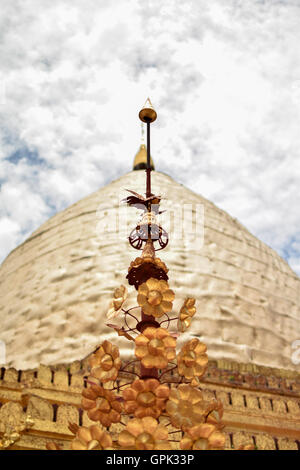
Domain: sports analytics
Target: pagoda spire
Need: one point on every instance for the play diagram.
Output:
(155, 397)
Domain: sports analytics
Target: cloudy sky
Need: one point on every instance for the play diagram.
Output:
(224, 76)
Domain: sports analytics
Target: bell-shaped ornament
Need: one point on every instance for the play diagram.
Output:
(147, 113)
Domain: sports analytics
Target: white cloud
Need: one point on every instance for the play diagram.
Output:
(9, 232)
(224, 76)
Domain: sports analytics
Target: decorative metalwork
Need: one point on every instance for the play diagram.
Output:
(163, 397)
(14, 430)
(143, 268)
(141, 233)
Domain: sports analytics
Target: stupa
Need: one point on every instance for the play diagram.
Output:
(57, 286)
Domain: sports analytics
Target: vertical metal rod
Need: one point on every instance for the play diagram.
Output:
(148, 319)
(148, 372)
(153, 372)
(148, 187)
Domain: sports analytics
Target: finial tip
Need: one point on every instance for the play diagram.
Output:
(148, 113)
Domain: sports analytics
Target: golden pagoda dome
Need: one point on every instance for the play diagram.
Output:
(140, 159)
(56, 287)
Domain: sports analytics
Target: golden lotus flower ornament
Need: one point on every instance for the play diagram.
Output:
(186, 407)
(155, 347)
(192, 361)
(101, 405)
(187, 312)
(105, 362)
(145, 398)
(92, 438)
(155, 297)
(203, 437)
(144, 434)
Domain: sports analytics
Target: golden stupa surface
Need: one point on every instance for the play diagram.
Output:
(55, 287)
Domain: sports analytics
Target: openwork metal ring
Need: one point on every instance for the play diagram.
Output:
(139, 236)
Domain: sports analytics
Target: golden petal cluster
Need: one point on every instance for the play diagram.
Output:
(155, 297)
(186, 407)
(91, 438)
(192, 361)
(120, 295)
(145, 398)
(105, 362)
(155, 347)
(144, 434)
(156, 261)
(187, 311)
(101, 405)
(203, 436)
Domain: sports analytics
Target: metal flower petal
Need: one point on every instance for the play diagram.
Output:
(101, 405)
(120, 295)
(155, 347)
(186, 407)
(105, 362)
(144, 434)
(145, 398)
(203, 436)
(192, 361)
(155, 297)
(92, 438)
(187, 311)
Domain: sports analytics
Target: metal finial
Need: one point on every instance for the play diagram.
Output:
(147, 113)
